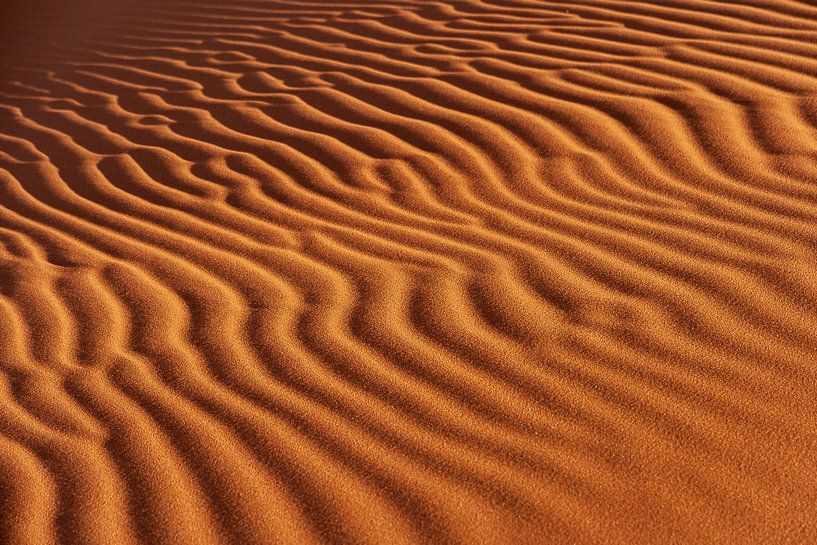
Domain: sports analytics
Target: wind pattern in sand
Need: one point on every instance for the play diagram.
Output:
(468, 272)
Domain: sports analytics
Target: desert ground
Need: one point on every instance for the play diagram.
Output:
(408, 272)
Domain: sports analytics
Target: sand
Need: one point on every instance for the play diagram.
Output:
(408, 272)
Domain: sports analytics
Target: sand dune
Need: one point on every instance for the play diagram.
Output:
(408, 272)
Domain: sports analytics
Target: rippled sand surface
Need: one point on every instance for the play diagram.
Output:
(408, 272)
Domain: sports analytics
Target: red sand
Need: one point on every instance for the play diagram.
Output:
(386, 273)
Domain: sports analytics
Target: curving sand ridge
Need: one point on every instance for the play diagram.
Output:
(418, 272)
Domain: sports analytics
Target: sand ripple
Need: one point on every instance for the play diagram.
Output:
(473, 272)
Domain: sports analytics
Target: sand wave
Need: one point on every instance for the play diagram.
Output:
(408, 272)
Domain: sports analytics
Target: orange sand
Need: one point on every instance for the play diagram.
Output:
(408, 272)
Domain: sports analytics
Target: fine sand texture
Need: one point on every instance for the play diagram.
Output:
(384, 272)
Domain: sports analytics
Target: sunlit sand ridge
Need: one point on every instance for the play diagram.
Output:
(392, 273)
